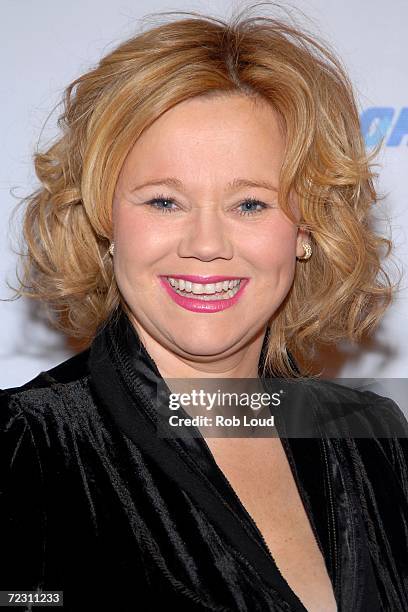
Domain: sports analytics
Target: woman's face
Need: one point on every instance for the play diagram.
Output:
(201, 224)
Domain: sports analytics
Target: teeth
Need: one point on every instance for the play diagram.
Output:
(207, 289)
(207, 297)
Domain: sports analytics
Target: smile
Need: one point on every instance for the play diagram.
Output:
(204, 296)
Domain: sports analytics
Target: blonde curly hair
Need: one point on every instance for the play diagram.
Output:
(340, 292)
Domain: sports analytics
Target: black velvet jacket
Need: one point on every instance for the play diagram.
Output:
(95, 504)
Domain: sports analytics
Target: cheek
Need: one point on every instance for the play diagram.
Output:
(273, 248)
(137, 247)
(139, 239)
(272, 253)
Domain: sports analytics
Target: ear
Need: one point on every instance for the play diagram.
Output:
(303, 235)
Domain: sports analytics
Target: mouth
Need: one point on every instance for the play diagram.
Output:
(212, 294)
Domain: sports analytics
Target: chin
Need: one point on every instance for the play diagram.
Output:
(204, 347)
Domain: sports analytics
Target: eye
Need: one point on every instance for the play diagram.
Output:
(249, 202)
(158, 200)
(252, 202)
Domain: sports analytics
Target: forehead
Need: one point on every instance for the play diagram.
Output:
(235, 134)
(214, 116)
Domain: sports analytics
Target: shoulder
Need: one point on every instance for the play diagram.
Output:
(354, 409)
(44, 421)
(42, 398)
(68, 372)
(368, 428)
(371, 430)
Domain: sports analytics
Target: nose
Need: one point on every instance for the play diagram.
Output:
(205, 236)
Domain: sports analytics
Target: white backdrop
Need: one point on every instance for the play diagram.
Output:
(48, 43)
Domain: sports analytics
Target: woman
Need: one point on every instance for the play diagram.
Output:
(203, 158)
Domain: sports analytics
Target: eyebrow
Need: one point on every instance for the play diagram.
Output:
(237, 183)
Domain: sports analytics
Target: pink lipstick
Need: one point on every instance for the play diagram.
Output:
(197, 304)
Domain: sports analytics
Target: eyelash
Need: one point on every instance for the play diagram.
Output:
(161, 197)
